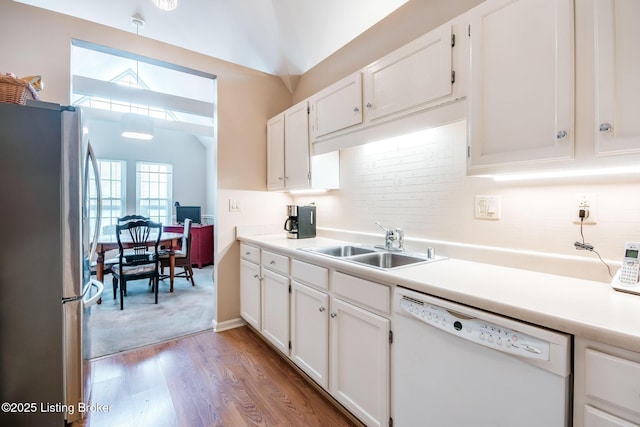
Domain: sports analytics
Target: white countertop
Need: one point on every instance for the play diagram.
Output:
(580, 307)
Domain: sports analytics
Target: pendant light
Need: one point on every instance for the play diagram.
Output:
(136, 126)
(166, 4)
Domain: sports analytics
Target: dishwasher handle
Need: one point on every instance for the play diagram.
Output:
(459, 315)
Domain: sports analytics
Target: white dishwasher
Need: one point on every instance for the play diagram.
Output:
(456, 366)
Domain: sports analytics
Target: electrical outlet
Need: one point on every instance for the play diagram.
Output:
(586, 202)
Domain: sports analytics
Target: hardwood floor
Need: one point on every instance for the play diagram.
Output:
(230, 378)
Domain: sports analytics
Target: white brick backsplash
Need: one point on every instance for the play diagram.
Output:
(420, 185)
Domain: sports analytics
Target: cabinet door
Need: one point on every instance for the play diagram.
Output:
(310, 332)
(417, 74)
(521, 100)
(617, 70)
(360, 362)
(337, 107)
(250, 299)
(596, 418)
(275, 309)
(296, 147)
(275, 153)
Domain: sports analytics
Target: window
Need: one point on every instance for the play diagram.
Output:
(112, 182)
(154, 182)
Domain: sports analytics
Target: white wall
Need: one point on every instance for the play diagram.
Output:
(421, 186)
(185, 152)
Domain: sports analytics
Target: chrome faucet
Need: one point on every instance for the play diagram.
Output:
(390, 236)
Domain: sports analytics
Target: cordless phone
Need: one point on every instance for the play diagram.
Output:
(626, 279)
(628, 274)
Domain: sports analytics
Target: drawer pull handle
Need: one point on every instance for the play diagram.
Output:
(322, 309)
(334, 314)
(255, 276)
(605, 127)
(561, 134)
(247, 253)
(272, 262)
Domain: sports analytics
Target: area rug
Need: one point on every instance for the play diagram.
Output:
(188, 309)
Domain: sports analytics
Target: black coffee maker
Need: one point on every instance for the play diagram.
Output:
(301, 221)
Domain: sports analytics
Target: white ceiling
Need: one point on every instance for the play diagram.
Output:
(280, 37)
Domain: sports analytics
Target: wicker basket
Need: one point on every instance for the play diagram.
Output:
(16, 91)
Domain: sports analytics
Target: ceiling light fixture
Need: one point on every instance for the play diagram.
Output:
(136, 126)
(166, 4)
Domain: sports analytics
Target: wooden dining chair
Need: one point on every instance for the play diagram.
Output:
(182, 256)
(135, 260)
(128, 218)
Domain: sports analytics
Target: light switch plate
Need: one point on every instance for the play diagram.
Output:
(487, 207)
(234, 205)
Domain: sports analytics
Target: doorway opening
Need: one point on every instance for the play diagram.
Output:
(150, 178)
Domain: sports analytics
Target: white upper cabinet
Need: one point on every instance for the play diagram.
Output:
(521, 98)
(296, 147)
(288, 149)
(617, 68)
(416, 75)
(275, 153)
(337, 107)
(290, 165)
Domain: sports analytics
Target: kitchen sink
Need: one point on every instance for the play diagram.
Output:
(388, 260)
(341, 251)
(372, 257)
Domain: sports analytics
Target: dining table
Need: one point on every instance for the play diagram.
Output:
(106, 242)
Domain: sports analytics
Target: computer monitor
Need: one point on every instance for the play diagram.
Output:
(184, 212)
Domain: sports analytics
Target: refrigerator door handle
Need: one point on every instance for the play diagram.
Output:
(91, 283)
(94, 162)
(96, 296)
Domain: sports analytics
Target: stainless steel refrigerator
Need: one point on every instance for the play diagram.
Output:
(45, 282)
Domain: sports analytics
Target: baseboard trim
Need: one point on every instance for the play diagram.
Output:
(228, 324)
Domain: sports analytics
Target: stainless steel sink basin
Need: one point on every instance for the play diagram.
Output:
(341, 251)
(372, 257)
(387, 260)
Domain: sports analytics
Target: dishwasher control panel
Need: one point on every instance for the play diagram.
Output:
(476, 330)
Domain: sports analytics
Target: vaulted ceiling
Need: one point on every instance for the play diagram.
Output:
(280, 37)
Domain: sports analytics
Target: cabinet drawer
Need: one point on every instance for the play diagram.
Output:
(363, 292)
(310, 274)
(613, 379)
(250, 253)
(275, 262)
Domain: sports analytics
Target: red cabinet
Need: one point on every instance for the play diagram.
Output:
(202, 244)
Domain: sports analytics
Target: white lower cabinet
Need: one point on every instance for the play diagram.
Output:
(333, 326)
(360, 361)
(250, 291)
(275, 309)
(250, 285)
(310, 332)
(360, 347)
(606, 386)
